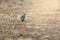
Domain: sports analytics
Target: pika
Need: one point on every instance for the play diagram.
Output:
(22, 16)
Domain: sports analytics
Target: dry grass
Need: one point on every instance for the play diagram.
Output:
(40, 24)
(35, 27)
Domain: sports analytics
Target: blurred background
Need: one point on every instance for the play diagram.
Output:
(42, 20)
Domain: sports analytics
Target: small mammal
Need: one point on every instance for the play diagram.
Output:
(22, 16)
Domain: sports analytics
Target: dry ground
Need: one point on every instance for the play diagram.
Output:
(42, 20)
(36, 26)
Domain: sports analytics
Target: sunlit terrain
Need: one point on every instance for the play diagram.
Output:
(42, 20)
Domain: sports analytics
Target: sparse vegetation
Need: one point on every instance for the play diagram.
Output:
(38, 25)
